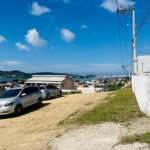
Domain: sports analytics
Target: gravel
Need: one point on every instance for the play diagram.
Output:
(103, 136)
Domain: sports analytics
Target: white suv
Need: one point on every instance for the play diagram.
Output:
(49, 91)
(16, 99)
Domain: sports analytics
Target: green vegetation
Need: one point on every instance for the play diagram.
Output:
(73, 114)
(143, 138)
(14, 74)
(61, 122)
(114, 87)
(119, 108)
(72, 92)
(58, 135)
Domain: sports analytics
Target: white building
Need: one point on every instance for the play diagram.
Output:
(143, 64)
(60, 81)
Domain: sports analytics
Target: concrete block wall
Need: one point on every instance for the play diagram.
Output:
(141, 88)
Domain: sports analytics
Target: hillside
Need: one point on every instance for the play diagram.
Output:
(14, 74)
(19, 74)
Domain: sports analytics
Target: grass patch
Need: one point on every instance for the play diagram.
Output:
(142, 138)
(129, 86)
(120, 108)
(72, 92)
(58, 135)
(61, 122)
(89, 103)
(73, 114)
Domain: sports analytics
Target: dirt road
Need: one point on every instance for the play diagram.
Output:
(34, 129)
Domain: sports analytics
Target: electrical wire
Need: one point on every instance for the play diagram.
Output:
(146, 13)
(116, 71)
(119, 33)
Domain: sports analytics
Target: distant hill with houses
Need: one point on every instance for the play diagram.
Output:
(19, 74)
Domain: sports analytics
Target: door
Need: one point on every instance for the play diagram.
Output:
(51, 90)
(56, 90)
(25, 97)
(34, 94)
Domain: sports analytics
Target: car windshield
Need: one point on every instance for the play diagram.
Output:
(10, 93)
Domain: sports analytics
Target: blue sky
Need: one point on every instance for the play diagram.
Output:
(68, 36)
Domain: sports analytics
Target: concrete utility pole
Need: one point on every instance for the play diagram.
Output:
(128, 70)
(134, 60)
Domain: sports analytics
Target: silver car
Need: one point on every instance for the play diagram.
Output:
(49, 91)
(16, 99)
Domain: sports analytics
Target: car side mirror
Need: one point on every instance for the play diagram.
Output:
(23, 94)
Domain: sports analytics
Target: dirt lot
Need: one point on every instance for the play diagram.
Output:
(36, 127)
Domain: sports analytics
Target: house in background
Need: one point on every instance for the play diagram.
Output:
(60, 81)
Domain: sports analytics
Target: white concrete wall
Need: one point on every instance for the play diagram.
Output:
(143, 63)
(89, 89)
(141, 88)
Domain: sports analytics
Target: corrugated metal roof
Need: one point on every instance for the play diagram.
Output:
(46, 78)
(47, 82)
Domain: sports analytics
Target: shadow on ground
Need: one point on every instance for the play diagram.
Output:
(28, 110)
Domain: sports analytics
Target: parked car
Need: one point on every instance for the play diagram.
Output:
(49, 91)
(16, 99)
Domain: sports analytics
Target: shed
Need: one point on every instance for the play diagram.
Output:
(60, 81)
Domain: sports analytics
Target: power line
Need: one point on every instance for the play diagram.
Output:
(119, 33)
(116, 70)
(145, 16)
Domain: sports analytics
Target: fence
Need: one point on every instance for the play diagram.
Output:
(141, 88)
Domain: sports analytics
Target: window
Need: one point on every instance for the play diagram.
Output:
(54, 87)
(33, 89)
(26, 91)
(10, 93)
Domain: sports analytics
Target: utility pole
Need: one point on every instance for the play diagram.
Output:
(134, 60)
(128, 70)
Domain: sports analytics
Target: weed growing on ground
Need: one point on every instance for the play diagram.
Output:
(61, 122)
(143, 138)
(58, 135)
(120, 108)
(74, 113)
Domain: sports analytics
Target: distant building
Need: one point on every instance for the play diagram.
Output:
(101, 87)
(60, 81)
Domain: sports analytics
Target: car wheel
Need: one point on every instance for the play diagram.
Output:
(39, 102)
(60, 94)
(48, 96)
(18, 110)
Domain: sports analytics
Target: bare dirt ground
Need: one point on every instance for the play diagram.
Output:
(37, 127)
(104, 136)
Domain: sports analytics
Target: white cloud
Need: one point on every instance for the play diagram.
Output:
(52, 48)
(22, 47)
(34, 39)
(111, 6)
(67, 35)
(102, 65)
(11, 62)
(66, 1)
(38, 10)
(146, 48)
(2, 39)
(83, 26)
(64, 66)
